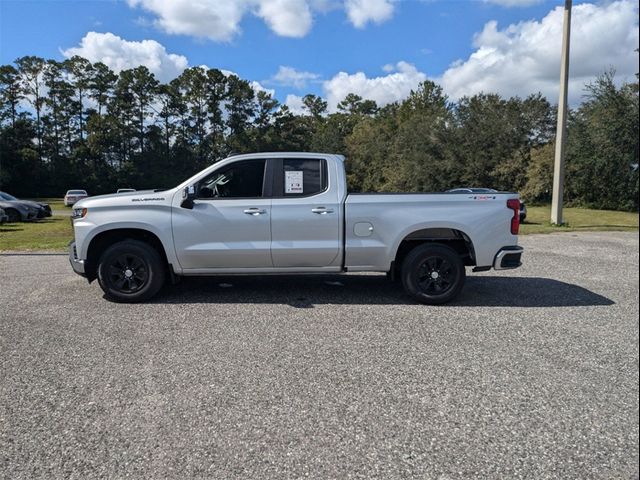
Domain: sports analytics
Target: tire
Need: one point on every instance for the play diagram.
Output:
(433, 274)
(14, 215)
(131, 271)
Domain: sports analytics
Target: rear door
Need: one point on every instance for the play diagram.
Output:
(305, 214)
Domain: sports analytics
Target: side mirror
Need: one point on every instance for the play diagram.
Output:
(188, 195)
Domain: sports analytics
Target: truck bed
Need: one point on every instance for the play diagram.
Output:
(376, 223)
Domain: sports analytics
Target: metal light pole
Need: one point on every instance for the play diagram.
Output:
(561, 130)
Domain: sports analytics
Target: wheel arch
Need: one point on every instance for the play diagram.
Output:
(454, 238)
(12, 209)
(106, 238)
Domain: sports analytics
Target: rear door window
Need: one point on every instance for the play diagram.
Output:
(301, 177)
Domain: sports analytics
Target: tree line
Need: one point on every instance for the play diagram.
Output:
(77, 124)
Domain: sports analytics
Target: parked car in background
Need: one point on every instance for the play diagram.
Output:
(126, 190)
(523, 211)
(42, 209)
(523, 207)
(4, 218)
(18, 211)
(72, 196)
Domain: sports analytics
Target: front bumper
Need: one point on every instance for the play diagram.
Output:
(76, 263)
(46, 209)
(508, 258)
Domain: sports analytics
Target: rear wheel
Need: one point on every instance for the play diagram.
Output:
(433, 274)
(14, 215)
(131, 271)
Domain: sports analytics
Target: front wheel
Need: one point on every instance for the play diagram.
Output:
(131, 271)
(13, 215)
(433, 274)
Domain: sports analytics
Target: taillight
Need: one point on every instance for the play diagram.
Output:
(514, 204)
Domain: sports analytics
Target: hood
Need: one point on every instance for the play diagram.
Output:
(32, 204)
(122, 199)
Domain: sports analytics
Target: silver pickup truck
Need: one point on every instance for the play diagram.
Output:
(275, 213)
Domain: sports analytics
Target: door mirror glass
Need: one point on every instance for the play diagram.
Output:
(188, 194)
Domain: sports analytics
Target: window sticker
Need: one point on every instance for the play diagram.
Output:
(293, 181)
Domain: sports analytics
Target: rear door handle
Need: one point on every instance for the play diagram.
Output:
(322, 210)
(255, 211)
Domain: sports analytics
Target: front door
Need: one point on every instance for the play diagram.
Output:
(229, 226)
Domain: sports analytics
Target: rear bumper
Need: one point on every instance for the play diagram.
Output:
(508, 258)
(76, 263)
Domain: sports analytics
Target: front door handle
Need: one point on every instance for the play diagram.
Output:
(255, 211)
(322, 210)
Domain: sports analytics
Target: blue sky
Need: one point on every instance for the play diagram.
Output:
(426, 36)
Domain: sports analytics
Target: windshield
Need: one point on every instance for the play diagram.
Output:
(76, 192)
(6, 196)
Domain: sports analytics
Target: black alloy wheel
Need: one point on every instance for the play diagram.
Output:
(433, 273)
(436, 275)
(127, 273)
(131, 271)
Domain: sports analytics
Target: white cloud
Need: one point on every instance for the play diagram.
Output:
(361, 12)
(287, 18)
(215, 19)
(514, 3)
(290, 77)
(524, 58)
(219, 20)
(257, 86)
(394, 86)
(120, 54)
(295, 104)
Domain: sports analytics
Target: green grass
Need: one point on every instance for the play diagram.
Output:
(53, 233)
(578, 219)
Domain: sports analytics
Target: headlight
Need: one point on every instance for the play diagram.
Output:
(78, 213)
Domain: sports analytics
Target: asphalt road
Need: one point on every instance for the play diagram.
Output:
(531, 374)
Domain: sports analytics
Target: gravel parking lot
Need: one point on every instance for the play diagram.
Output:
(533, 373)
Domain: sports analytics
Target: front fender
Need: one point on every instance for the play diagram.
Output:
(86, 232)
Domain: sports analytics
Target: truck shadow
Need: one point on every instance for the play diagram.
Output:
(308, 291)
